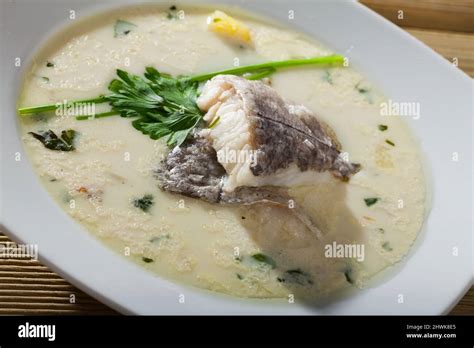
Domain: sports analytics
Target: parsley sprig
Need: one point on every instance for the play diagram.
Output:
(161, 105)
(165, 106)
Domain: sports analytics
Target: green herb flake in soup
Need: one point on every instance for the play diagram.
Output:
(264, 259)
(371, 201)
(51, 141)
(144, 203)
(195, 163)
(122, 28)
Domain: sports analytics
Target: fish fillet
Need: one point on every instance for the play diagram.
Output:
(261, 140)
(193, 170)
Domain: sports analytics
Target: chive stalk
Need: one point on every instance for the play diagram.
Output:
(258, 71)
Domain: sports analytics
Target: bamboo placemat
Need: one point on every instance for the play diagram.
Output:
(27, 287)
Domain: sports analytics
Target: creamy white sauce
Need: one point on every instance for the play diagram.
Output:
(210, 246)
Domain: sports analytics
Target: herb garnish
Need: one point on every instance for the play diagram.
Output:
(51, 141)
(158, 239)
(389, 142)
(144, 203)
(296, 276)
(349, 276)
(239, 276)
(370, 201)
(122, 28)
(382, 127)
(172, 14)
(327, 77)
(387, 246)
(147, 260)
(165, 106)
(361, 90)
(49, 64)
(264, 259)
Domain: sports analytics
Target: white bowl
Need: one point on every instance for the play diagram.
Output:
(431, 281)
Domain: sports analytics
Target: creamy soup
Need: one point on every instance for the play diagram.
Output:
(109, 184)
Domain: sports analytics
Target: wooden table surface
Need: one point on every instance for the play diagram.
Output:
(447, 26)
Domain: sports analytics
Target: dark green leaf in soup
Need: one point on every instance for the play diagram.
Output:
(370, 201)
(50, 65)
(264, 259)
(144, 203)
(296, 276)
(147, 260)
(387, 246)
(68, 136)
(327, 77)
(349, 275)
(158, 239)
(122, 28)
(361, 88)
(51, 141)
(172, 14)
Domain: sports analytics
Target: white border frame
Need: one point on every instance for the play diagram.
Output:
(433, 280)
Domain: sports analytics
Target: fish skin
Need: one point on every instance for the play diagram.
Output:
(193, 170)
(281, 133)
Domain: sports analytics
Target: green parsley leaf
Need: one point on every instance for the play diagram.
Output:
(370, 201)
(165, 107)
(144, 203)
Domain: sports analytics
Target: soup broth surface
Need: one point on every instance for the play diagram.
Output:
(259, 251)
